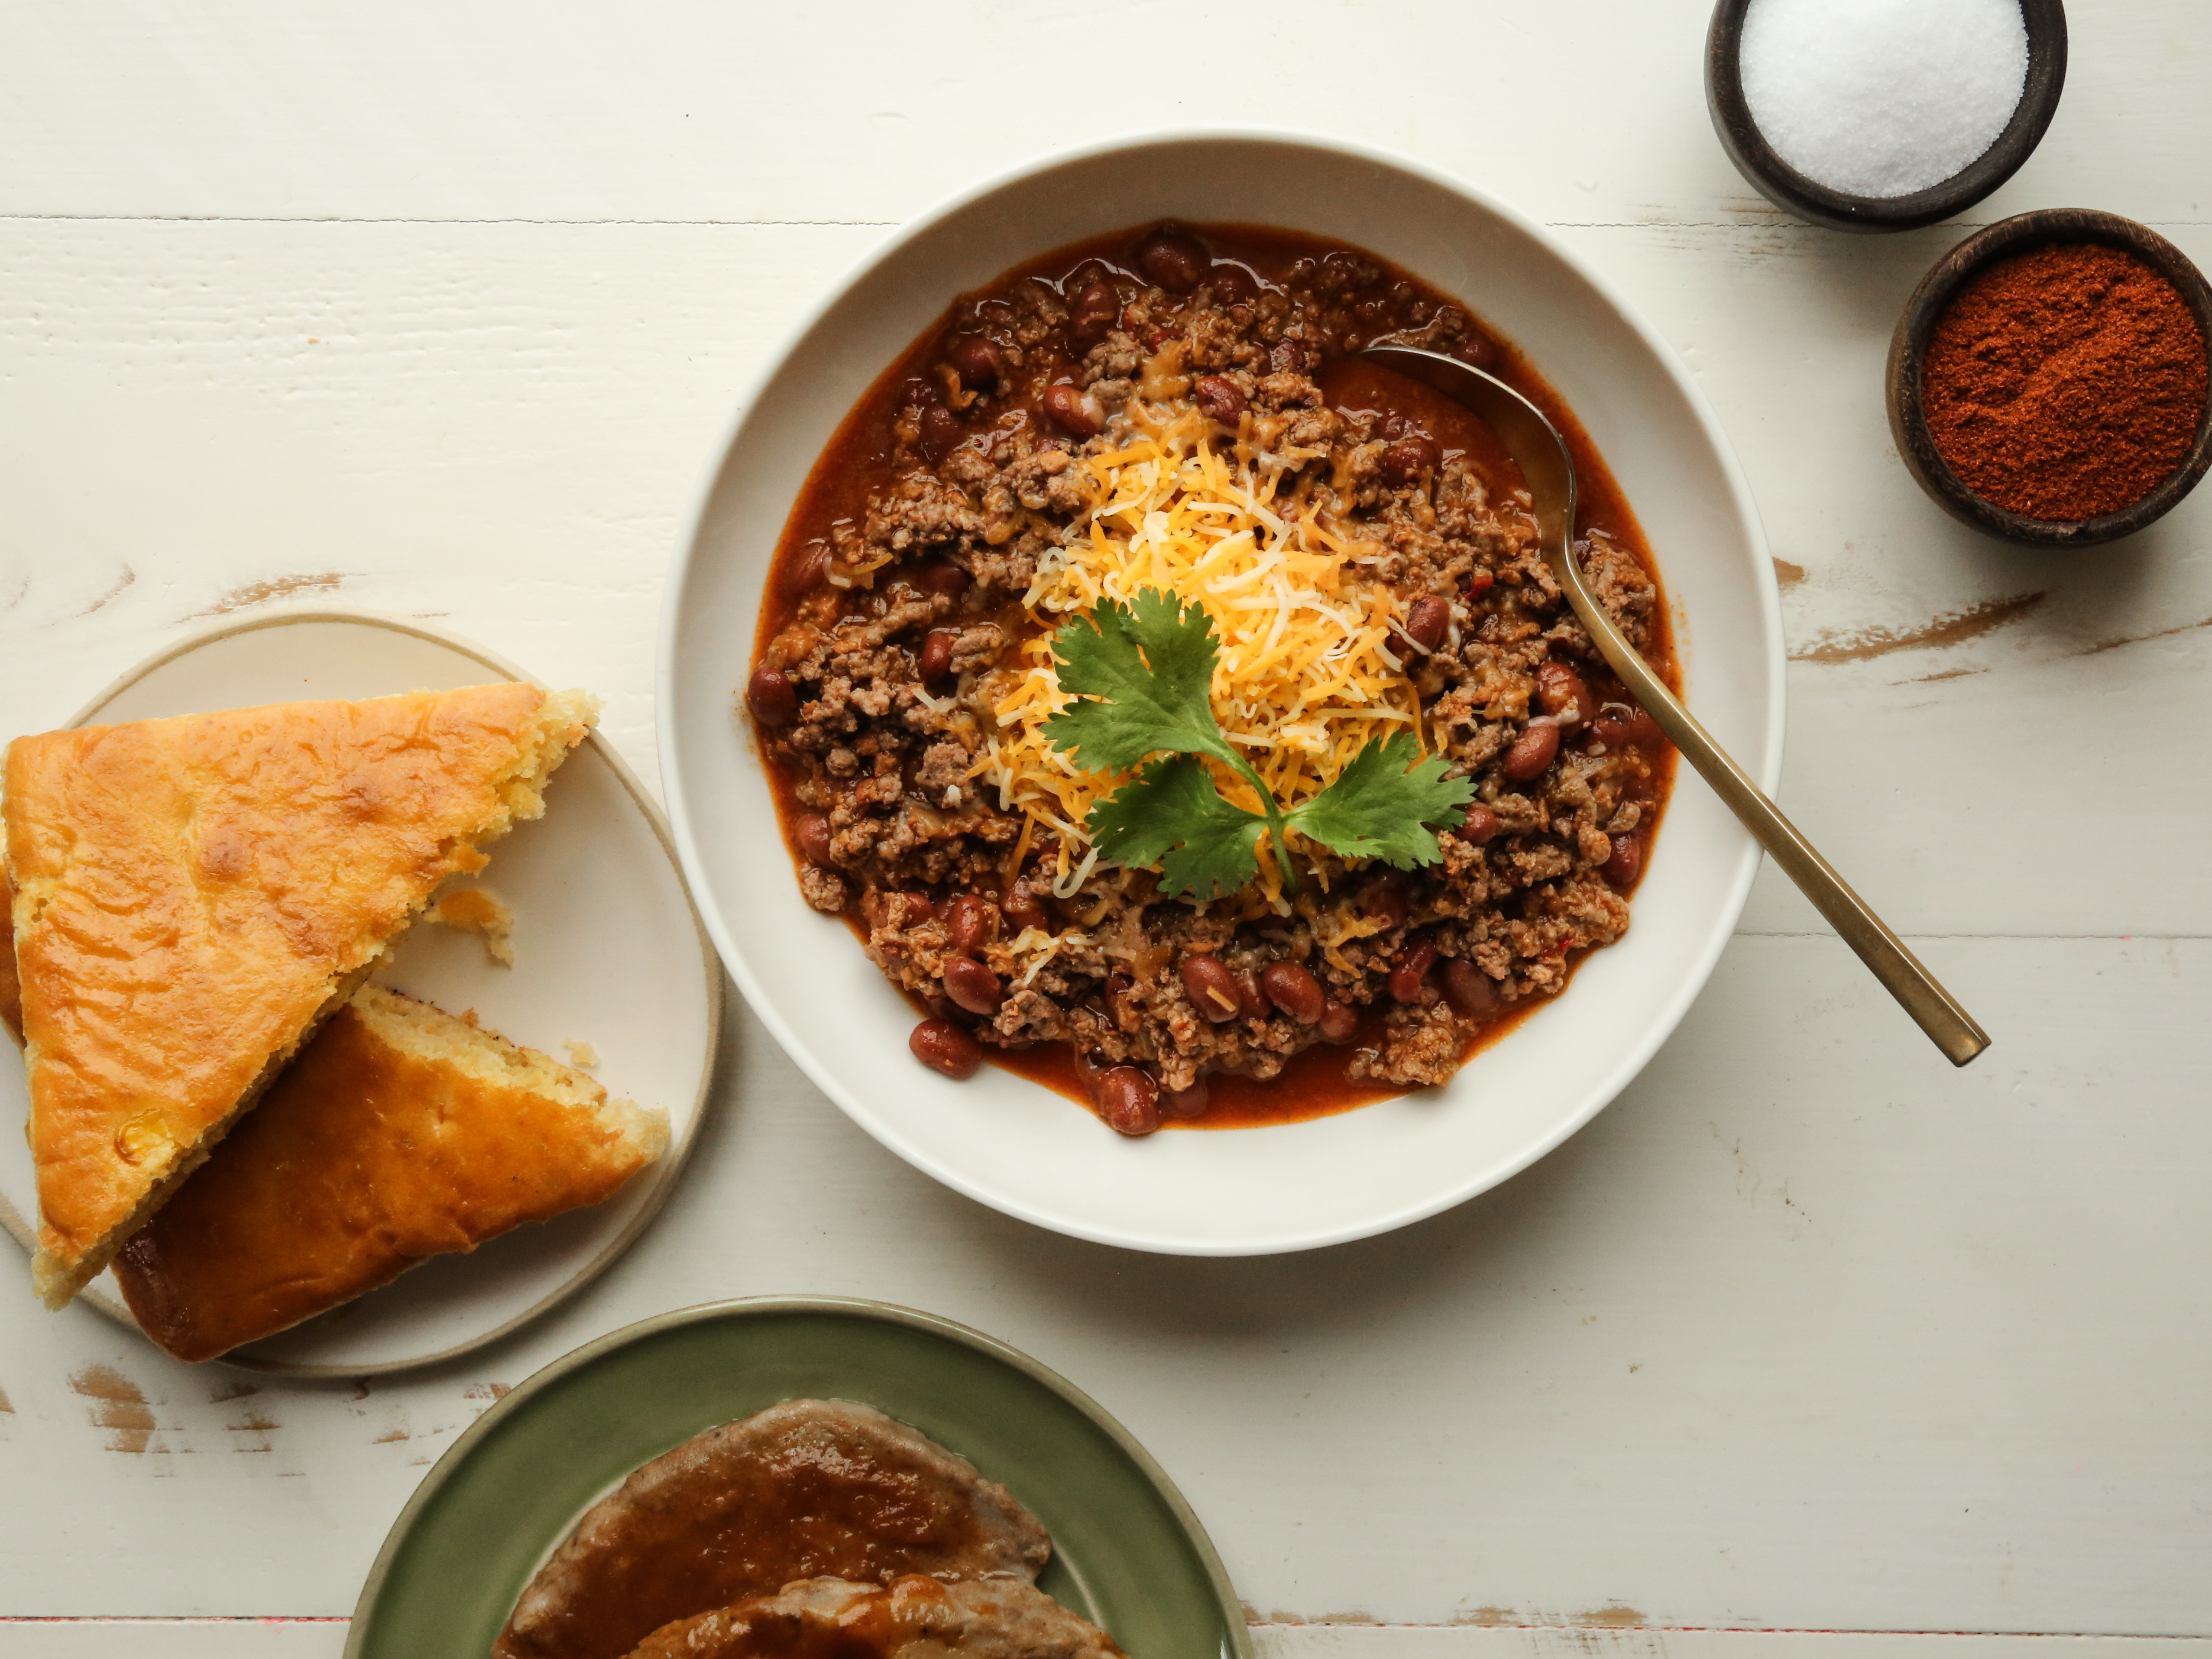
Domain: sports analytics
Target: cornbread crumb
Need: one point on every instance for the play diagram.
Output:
(581, 1055)
(477, 910)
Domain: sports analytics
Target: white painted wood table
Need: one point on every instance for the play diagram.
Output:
(1807, 1345)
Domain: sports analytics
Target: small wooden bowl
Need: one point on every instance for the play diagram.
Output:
(1787, 188)
(1908, 420)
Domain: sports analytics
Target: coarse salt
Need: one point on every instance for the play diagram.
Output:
(1882, 97)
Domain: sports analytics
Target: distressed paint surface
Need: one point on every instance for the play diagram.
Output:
(1807, 1345)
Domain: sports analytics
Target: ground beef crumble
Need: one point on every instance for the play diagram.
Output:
(876, 690)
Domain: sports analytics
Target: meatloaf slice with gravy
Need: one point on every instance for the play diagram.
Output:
(913, 1617)
(808, 1489)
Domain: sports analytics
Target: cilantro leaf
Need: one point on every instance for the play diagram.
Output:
(1171, 815)
(1134, 705)
(1141, 676)
(1381, 804)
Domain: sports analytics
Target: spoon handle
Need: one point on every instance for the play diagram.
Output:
(1933, 1008)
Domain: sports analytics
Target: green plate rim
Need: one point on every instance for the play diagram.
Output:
(746, 1307)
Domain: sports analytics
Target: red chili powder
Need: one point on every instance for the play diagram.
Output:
(2066, 383)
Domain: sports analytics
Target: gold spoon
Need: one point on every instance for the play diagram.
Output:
(1549, 471)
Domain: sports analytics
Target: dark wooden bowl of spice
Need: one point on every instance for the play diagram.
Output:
(1882, 117)
(2047, 382)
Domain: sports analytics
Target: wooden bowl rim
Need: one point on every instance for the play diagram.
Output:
(1783, 186)
(1908, 418)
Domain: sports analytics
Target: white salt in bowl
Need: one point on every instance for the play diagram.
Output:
(1019, 1147)
(1794, 191)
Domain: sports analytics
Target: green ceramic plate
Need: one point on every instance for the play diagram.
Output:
(1127, 1553)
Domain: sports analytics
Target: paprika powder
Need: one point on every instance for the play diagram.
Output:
(2066, 383)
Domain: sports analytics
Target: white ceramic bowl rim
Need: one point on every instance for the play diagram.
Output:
(1764, 761)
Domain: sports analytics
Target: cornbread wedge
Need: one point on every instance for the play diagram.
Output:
(194, 896)
(399, 1133)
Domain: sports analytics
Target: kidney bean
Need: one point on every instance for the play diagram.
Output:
(1128, 1100)
(1340, 1022)
(1024, 910)
(972, 985)
(811, 832)
(948, 580)
(1173, 259)
(1186, 1103)
(939, 434)
(1478, 828)
(1218, 397)
(770, 696)
(1249, 1001)
(944, 1046)
(1097, 309)
(1212, 987)
(912, 909)
(1412, 968)
(1405, 461)
(1385, 896)
(1232, 283)
(1476, 351)
(1626, 862)
(1292, 989)
(1074, 408)
(970, 923)
(975, 361)
(805, 573)
(1559, 688)
(1536, 747)
(914, 392)
(1468, 990)
(1288, 358)
(1643, 730)
(1427, 621)
(934, 661)
(1118, 985)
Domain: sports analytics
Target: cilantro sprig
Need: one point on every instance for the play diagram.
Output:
(1140, 675)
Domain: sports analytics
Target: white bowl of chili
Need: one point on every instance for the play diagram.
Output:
(1007, 1141)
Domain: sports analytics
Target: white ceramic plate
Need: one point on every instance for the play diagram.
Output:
(1021, 1148)
(607, 950)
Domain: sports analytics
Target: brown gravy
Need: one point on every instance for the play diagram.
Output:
(809, 1489)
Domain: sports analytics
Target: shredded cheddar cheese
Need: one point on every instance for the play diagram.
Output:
(1306, 677)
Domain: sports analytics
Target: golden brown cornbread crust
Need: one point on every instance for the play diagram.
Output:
(399, 1133)
(193, 895)
(11, 989)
